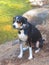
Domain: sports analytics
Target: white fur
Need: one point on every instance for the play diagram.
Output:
(16, 25)
(17, 17)
(22, 36)
(36, 51)
(30, 53)
(21, 51)
(37, 44)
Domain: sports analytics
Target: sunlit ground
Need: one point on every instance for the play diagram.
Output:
(9, 9)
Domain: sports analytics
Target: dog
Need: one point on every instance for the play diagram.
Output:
(29, 34)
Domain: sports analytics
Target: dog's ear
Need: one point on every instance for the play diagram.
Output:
(25, 19)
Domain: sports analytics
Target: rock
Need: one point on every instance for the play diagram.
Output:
(37, 16)
(40, 18)
(39, 2)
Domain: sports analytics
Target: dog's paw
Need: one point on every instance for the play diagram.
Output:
(20, 56)
(36, 51)
(29, 58)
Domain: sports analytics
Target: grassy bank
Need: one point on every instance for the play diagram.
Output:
(9, 9)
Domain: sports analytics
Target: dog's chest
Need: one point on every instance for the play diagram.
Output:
(22, 36)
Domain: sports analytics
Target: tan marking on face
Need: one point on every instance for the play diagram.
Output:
(19, 25)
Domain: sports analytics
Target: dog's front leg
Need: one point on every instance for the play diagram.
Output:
(21, 51)
(30, 53)
(30, 49)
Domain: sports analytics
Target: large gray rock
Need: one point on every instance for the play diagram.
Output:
(40, 18)
(37, 16)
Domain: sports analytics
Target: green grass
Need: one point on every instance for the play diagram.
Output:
(9, 9)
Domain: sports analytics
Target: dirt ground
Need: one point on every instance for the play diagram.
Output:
(41, 58)
(10, 50)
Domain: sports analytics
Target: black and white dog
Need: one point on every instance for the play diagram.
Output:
(29, 34)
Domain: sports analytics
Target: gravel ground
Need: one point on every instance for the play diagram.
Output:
(9, 55)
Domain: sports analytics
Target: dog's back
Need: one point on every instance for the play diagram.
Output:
(34, 34)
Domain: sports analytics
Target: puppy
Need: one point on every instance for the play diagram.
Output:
(29, 34)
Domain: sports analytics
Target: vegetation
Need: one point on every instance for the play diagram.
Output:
(9, 9)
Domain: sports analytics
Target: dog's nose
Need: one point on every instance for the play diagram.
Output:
(14, 26)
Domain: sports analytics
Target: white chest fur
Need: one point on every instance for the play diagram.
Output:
(22, 36)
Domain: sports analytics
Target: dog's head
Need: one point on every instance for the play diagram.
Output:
(19, 22)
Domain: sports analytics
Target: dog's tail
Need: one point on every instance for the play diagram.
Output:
(44, 37)
(41, 42)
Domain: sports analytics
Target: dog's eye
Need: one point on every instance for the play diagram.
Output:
(18, 21)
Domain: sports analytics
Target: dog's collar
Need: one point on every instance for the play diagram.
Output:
(21, 29)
